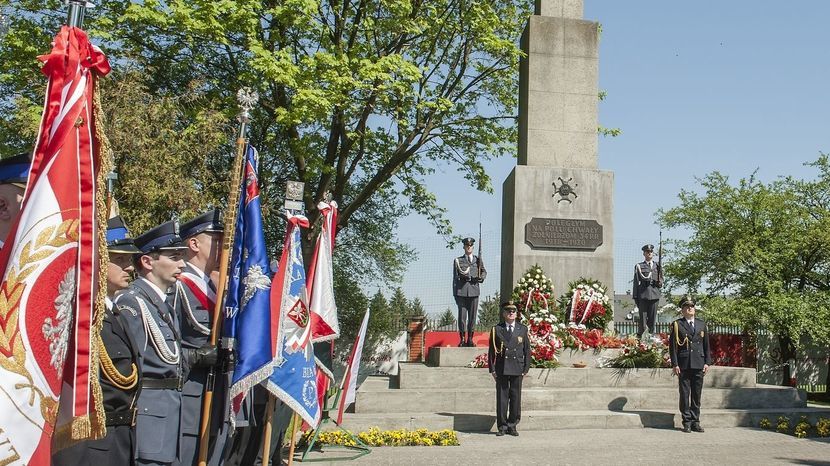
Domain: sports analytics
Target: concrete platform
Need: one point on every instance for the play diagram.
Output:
(533, 420)
(416, 375)
(462, 357)
(588, 398)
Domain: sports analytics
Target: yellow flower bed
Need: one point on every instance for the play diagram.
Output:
(392, 438)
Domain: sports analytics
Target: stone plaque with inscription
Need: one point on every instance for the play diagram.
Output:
(563, 233)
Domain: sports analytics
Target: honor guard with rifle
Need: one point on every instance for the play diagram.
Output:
(154, 325)
(467, 272)
(119, 369)
(194, 299)
(648, 280)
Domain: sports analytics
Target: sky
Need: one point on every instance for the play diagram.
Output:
(696, 87)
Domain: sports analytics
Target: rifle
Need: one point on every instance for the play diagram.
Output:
(660, 261)
(478, 274)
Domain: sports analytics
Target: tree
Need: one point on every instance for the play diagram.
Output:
(447, 318)
(398, 304)
(360, 99)
(489, 313)
(416, 308)
(759, 250)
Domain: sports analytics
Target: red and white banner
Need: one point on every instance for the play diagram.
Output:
(324, 323)
(49, 270)
(349, 386)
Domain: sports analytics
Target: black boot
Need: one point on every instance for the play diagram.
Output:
(461, 343)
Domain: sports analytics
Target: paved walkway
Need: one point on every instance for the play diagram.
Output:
(612, 447)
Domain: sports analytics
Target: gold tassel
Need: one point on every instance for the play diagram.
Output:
(111, 373)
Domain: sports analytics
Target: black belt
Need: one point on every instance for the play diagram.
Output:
(122, 418)
(172, 383)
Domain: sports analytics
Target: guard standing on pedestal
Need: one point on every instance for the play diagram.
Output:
(690, 359)
(467, 272)
(646, 289)
(509, 361)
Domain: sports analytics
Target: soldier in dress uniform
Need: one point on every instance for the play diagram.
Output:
(154, 326)
(194, 300)
(646, 289)
(467, 272)
(120, 371)
(690, 360)
(509, 361)
(14, 172)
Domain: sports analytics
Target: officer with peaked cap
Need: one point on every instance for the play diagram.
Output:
(119, 371)
(690, 360)
(14, 172)
(509, 361)
(194, 300)
(154, 325)
(646, 289)
(467, 272)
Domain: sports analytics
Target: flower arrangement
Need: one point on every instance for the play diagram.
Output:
(642, 354)
(534, 292)
(584, 339)
(480, 361)
(375, 437)
(586, 304)
(533, 295)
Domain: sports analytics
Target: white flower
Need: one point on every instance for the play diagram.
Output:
(522, 280)
(595, 286)
(601, 290)
(544, 277)
(537, 276)
(527, 275)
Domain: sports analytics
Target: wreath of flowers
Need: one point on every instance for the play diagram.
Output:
(533, 295)
(587, 305)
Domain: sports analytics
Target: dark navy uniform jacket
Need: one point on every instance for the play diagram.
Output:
(509, 354)
(689, 349)
(158, 420)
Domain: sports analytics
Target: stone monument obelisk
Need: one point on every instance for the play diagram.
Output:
(557, 207)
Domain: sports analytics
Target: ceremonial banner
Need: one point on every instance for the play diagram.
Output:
(51, 304)
(348, 389)
(294, 380)
(324, 324)
(248, 315)
(325, 327)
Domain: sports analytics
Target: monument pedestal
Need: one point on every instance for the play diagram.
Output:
(569, 236)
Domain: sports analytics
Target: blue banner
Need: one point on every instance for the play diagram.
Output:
(247, 306)
(294, 380)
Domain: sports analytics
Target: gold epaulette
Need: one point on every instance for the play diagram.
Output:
(677, 336)
(119, 380)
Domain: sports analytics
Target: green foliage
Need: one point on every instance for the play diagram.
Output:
(489, 313)
(447, 318)
(759, 250)
(362, 100)
(398, 304)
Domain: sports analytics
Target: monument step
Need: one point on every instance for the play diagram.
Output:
(437, 400)
(416, 375)
(461, 357)
(578, 419)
